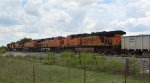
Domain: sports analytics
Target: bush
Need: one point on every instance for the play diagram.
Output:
(2, 50)
(86, 58)
(101, 61)
(134, 67)
(50, 58)
(93, 62)
(113, 67)
(69, 58)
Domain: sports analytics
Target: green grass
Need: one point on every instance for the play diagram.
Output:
(20, 70)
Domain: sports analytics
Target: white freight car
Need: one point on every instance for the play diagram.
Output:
(136, 44)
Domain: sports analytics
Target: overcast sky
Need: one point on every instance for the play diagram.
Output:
(48, 18)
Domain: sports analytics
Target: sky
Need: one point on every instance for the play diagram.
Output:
(48, 18)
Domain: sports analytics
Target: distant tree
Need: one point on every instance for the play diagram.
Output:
(2, 49)
(24, 40)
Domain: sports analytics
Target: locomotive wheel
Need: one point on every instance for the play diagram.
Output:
(139, 53)
(131, 52)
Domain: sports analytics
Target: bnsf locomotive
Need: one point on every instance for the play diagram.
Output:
(103, 42)
(100, 42)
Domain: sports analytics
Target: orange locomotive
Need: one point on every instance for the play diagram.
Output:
(50, 44)
(30, 45)
(105, 42)
(14, 46)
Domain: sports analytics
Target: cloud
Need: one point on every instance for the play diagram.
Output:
(48, 18)
(24, 2)
(6, 21)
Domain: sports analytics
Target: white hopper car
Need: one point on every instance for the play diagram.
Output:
(138, 44)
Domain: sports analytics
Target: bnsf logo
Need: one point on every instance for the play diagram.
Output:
(89, 39)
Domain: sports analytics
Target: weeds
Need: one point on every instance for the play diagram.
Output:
(2, 50)
(71, 72)
(50, 59)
